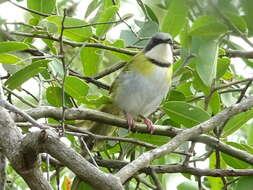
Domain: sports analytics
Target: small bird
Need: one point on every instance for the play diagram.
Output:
(144, 82)
(140, 87)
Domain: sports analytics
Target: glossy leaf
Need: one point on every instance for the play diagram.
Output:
(175, 18)
(206, 60)
(12, 46)
(54, 97)
(77, 34)
(21, 76)
(208, 26)
(222, 66)
(237, 122)
(41, 6)
(175, 95)
(76, 87)
(214, 102)
(106, 16)
(244, 183)
(91, 58)
(10, 59)
(185, 114)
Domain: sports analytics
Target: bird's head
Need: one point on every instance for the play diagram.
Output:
(159, 48)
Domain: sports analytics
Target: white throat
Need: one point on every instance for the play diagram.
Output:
(161, 52)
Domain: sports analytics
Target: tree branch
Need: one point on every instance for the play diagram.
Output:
(48, 141)
(87, 114)
(143, 160)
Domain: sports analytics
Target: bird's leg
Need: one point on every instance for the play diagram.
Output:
(149, 124)
(130, 121)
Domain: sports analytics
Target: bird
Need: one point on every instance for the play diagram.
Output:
(142, 85)
(144, 82)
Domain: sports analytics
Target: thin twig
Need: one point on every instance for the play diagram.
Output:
(109, 70)
(243, 92)
(30, 94)
(76, 44)
(95, 24)
(19, 97)
(89, 153)
(61, 133)
(155, 179)
(191, 152)
(30, 10)
(90, 80)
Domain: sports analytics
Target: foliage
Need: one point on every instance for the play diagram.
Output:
(206, 78)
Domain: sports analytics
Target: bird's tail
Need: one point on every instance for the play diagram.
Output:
(99, 128)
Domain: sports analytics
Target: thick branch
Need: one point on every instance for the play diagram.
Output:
(48, 141)
(87, 114)
(10, 138)
(143, 160)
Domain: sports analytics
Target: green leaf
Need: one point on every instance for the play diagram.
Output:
(92, 7)
(206, 60)
(106, 16)
(41, 6)
(185, 88)
(244, 183)
(10, 59)
(237, 122)
(77, 34)
(54, 97)
(185, 114)
(175, 95)
(247, 7)
(91, 59)
(175, 18)
(12, 46)
(214, 102)
(222, 66)
(119, 44)
(152, 139)
(208, 26)
(151, 14)
(26, 73)
(76, 88)
(250, 134)
(56, 68)
(238, 21)
(189, 185)
(199, 85)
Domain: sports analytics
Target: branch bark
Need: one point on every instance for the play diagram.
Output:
(88, 114)
(49, 142)
(10, 138)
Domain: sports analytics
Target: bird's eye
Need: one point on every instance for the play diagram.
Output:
(169, 41)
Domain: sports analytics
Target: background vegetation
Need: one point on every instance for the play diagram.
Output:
(71, 62)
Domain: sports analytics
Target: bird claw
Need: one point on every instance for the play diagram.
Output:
(149, 124)
(130, 122)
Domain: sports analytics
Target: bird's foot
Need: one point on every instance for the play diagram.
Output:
(130, 122)
(149, 124)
